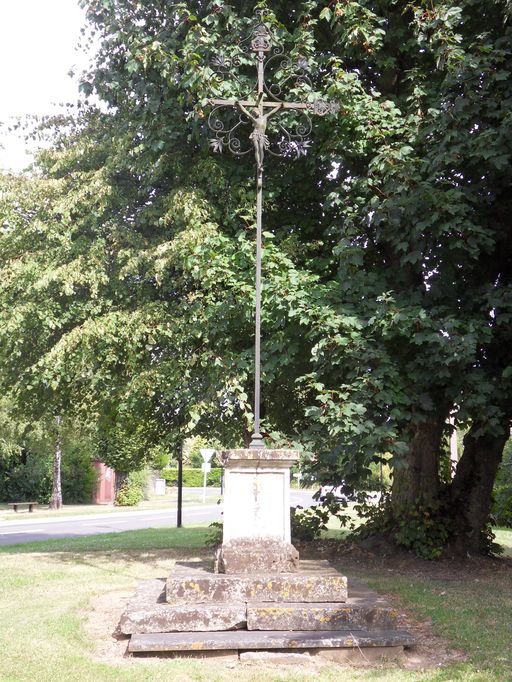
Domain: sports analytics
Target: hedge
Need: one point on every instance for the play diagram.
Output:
(192, 478)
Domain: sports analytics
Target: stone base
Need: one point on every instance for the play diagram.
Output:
(249, 555)
(355, 657)
(197, 610)
(195, 583)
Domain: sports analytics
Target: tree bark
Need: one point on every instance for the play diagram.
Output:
(416, 481)
(56, 498)
(121, 477)
(471, 489)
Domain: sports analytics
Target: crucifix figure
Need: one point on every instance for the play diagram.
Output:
(291, 142)
(259, 134)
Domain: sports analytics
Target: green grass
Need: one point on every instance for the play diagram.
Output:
(504, 538)
(475, 615)
(134, 540)
(46, 591)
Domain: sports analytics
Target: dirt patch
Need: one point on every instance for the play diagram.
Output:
(101, 627)
(392, 559)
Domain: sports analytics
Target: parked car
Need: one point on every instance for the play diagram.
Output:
(336, 490)
(372, 497)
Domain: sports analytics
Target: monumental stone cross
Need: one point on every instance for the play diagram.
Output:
(257, 480)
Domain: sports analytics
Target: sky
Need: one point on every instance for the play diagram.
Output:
(38, 40)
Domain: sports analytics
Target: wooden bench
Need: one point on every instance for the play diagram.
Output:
(15, 505)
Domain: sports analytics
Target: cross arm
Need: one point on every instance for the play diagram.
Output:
(319, 107)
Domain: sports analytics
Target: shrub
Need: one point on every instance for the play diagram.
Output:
(214, 537)
(29, 479)
(131, 491)
(307, 524)
(78, 477)
(192, 478)
(424, 529)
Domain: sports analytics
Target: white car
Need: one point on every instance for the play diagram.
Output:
(337, 491)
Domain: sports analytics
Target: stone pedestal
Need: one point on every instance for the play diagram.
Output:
(258, 598)
(257, 512)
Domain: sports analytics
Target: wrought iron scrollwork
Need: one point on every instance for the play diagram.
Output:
(226, 136)
(296, 74)
(277, 73)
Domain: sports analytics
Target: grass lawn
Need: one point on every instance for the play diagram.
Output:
(46, 591)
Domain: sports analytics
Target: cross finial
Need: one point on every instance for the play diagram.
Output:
(262, 39)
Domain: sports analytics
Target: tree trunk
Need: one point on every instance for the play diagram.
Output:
(121, 477)
(56, 498)
(416, 479)
(471, 489)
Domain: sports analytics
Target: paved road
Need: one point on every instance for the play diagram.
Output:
(28, 530)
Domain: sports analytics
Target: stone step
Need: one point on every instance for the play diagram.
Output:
(241, 640)
(194, 582)
(300, 616)
(147, 612)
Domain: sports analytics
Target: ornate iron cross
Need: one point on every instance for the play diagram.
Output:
(292, 140)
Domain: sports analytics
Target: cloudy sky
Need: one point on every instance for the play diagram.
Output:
(38, 40)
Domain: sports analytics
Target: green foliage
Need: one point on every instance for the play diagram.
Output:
(27, 479)
(424, 530)
(79, 477)
(193, 478)
(192, 451)
(488, 544)
(502, 506)
(26, 455)
(214, 537)
(127, 260)
(308, 524)
(132, 490)
(379, 477)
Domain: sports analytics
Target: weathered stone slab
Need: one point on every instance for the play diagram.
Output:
(147, 612)
(287, 616)
(360, 656)
(227, 658)
(279, 657)
(193, 583)
(246, 640)
(256, 555)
